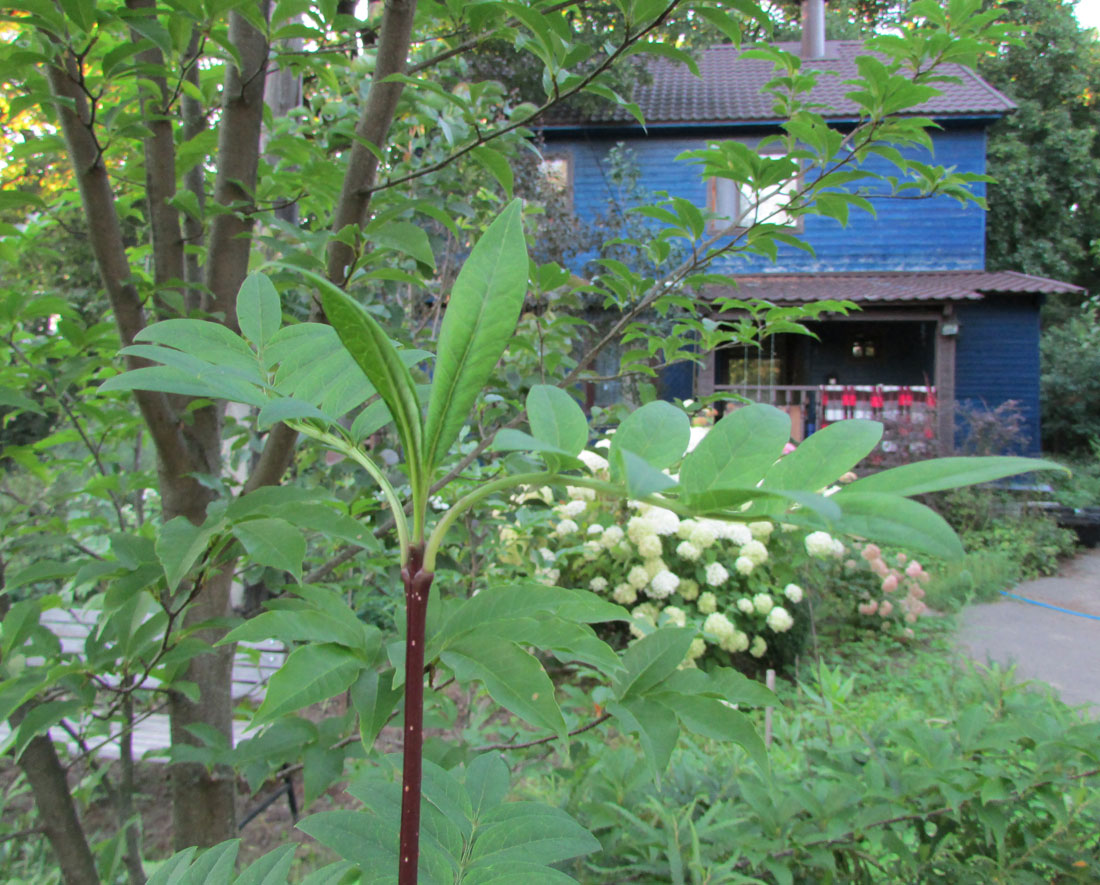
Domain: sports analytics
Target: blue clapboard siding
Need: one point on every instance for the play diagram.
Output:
(927, 234)
(997, 357)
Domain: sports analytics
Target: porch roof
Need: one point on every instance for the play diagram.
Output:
(903, 286)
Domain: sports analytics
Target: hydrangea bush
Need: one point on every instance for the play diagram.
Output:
(740, 585)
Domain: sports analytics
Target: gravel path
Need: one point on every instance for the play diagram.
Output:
(1057, 642)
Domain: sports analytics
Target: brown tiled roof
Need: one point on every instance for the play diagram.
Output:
(730, 91)
(954, 285)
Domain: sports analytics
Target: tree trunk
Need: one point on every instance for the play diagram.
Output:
(204, 808)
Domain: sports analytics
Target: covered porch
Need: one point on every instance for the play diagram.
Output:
(921, 342)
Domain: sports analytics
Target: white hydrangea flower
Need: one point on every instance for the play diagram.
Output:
(580, 493)
(716, 574)
(761, 529)
(686, 527)
(703, 535)
(793, 593)
(638, 527)
(745, 606)
(654, 566)
(819, 544)
(571, 509)
(665, 522)
(697, 649)
(763, 603)
(707, 603)
(687, 550)
(647, 612)
(663, 585)
(598, 584)
(780, 620)
(636, 629)
(649, 546)
(759, 646)
(743, 565)
(565, 527)
(670, 614)
(718, 626)
(737, 532)
(596, 463)
(755, 551)
(595, 529)
(548, 575)
(611, 536)
(838, 548)
(736, 643)
(637, 577)
(508, 535)
(624, 594)
(592, 550)
(689, 590)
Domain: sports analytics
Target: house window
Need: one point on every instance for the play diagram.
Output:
(742, 205)
(742, 365)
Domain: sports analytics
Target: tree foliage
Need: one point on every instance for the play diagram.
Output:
(1045, 157)
(158, 483)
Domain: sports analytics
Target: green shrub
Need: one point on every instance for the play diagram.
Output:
(890, 769)
(990, 520)
(978, 577)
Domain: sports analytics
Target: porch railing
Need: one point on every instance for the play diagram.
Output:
(907, 412)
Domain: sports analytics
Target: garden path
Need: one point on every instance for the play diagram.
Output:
(1056, 641)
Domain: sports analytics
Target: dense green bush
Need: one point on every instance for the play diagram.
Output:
(884, 769)
(990, 520)
(1070, 383)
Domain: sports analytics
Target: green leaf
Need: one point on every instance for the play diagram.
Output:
(556, 418)
(215, 865)
(374, 699)
(651, 659)
(531, 833)
(939, 474)
(38, 719)
(375, 354)
(404, 237)
(513, 678)
(287, 409)
(481, 316)
(179, 545)
(269, 869)
(510, 872)
(273, 542)
(210, 383)
(259, 313)
(497, 165)
(712, 718)
(640, 477)
(487, 781)
(824, 456)
(311, 674)
(658, 433)
(890, 519)
(365, 839)
(14, 399)
(738, 450)
(302, 625)
(657, 730)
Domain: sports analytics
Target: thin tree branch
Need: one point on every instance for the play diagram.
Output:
(599, 720)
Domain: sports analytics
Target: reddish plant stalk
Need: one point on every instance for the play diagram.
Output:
(417, 585)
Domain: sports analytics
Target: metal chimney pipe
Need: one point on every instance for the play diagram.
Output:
(813, 28)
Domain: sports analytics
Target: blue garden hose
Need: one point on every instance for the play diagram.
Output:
(1068, 611)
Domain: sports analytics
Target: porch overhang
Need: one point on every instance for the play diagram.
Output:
(886, 288)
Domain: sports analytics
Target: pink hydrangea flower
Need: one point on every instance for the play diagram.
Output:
(871, 552)
(890, 583)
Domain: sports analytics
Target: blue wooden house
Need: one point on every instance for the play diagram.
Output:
(935, 328)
